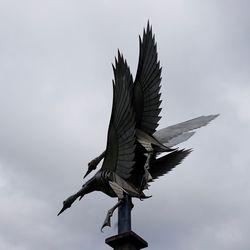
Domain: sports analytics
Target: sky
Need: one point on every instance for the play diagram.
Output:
(55, 105)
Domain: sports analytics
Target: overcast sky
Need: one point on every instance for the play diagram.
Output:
(55, 105)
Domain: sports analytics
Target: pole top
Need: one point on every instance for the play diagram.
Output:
(128, 240)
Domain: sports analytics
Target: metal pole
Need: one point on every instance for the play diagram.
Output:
(126, 238)
(124, 215)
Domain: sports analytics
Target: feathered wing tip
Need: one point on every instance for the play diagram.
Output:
(148, 30)
(166, 163)
(122, 70)
(147, 96)
(166, 134)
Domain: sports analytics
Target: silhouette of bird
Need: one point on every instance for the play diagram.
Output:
(132, 157)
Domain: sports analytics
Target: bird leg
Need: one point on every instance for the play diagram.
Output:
(147, 176)
(107, 221)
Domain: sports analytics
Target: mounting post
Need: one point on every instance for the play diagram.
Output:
(126, 239)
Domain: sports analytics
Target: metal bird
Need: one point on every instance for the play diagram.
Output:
(131, 159)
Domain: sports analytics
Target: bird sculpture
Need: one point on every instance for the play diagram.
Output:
(134, 152)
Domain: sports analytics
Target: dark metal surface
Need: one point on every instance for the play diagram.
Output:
(124, 215)
(126, 241)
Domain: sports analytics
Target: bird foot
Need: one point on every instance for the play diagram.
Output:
(107, 221)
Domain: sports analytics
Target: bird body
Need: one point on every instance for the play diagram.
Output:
(105, 179)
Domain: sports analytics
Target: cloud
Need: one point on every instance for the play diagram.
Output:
(55, 105)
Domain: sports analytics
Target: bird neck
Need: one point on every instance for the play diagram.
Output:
(88, 187)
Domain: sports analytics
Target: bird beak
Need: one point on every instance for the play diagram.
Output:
(88, 171)
(64, 208)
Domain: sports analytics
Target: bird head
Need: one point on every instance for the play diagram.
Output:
(88, 171)
(91, 166)
(68, 202)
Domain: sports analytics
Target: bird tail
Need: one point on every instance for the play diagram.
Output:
(166, 163)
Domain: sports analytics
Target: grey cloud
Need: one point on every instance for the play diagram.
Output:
(55, 103)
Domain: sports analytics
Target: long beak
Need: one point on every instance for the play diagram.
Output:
(64, 208)
(88, 171)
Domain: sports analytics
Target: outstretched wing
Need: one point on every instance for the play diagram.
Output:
(166, 163)
(146, 96)
(168, 134)
(119, 156)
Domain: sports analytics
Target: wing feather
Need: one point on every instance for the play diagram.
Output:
(166, 134)
(120, 148)
(146, 94)
(166, 163)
